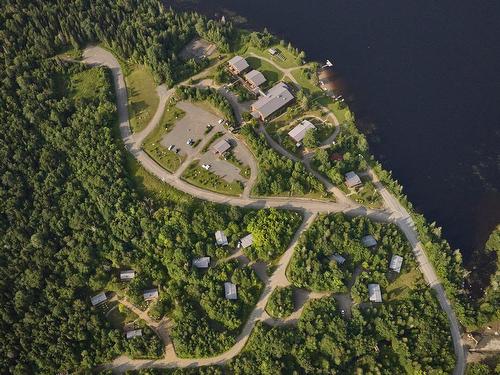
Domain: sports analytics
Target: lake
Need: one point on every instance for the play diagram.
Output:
(422, 78)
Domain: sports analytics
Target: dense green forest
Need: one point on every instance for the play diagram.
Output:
(69, 218)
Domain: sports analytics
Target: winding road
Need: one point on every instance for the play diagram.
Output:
(393, 212)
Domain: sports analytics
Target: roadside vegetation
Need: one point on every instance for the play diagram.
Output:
(280, 304)
(208, 180)
(142, 97)
(152, 145)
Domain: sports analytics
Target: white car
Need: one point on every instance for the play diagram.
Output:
(206, 166)
(171, 147)
(221, 121)
(190, 141)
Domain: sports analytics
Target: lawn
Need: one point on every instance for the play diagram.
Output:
(269, 71)
(306, 83)
(400, 287)
(289, 61)
(367, 195)
(142, 98)
(152, 144)
(339, 110)
(204, 179)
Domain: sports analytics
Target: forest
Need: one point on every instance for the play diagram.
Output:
(70, 220)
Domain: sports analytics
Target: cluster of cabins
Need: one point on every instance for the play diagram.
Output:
(374, 291)
(276, 98)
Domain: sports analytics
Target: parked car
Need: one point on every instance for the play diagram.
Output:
(221, 121)
(206, 166)
(190, 141)
(171, 147)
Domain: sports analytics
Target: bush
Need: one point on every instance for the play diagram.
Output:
(280, 304)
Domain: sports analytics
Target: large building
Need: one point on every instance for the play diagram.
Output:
(237, 65)
(255, 78)
(278, 97)
(298, 133)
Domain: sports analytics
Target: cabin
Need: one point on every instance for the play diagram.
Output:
(150, 294)
(374, 293)
(246, 241)
(369, 241)
(396, 263)
(203, 262)
(99, 298)
(133, 333)
(127, 275)
(255, 78)
(230, 291)
(352, 180)
(278, 97)
(338, 258)
(221, 238)
(298, 133)
(237, 65)
(221, 147)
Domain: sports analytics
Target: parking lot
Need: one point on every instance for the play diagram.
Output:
(192, 125)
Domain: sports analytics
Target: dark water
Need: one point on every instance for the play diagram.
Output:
(423, 80)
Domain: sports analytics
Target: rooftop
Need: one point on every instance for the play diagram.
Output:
(338, 258)
(221, 238)
(238, 63)
(369, 241)
(255, 77)
(133, 333)
(396, 263)
(221, 146)
(99, 298)
(230, 291)
(150, 294)
(298, 133)
(246, 241)
(352, 179)
(202, 262)
(127, 275)
(277, 97)
(374, 293)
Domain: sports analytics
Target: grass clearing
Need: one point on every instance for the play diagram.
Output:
(288, 60)
(204, 179)
(401, 286)
(87, 84)
(367, 195)
(152, 144)
(142, 97)
(341, 111)
(306, 83)
(120, 316)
